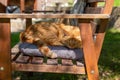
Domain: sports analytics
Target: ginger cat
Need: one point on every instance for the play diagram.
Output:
(53, 34)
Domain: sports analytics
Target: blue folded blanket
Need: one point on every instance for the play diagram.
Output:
(62, 52)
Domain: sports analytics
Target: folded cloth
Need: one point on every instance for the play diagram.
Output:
(61, 51)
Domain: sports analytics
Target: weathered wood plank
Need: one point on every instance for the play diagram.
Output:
(78, 63)
(108, 7)
(22, 5)
(35, 15)
(89, 51)
(5, 61)
(15, 49)
(67, 62)
(14, 56)
(37, 60)
(48, 68)
(22, 59)
(52, 61)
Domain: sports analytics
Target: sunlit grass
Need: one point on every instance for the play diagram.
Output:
(110, 56)
(117, 3)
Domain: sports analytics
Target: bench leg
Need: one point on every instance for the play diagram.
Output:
(5, 61)
(100, 36)
(89, 51)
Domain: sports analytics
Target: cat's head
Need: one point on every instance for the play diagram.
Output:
(72, 43)
(26, 37)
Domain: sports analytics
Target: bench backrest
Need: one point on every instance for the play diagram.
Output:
(99, 6)
(93, 5)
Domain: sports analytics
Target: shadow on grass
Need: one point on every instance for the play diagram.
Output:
(110, 54)
(46, 76)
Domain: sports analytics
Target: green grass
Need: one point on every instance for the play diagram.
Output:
(116, 2)
(14, 38)
(109, 63)
(110, 56)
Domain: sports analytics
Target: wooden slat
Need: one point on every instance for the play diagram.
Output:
(54, 7)
(37, 60)
(96, 0)
(93, 10)
(82, 16)
(48, 68)
(78, 63)
(35, 64)
(35, 4)
(67, 62)
(22, 59)
(15, 49)
(22, 5)
(14, 56)
(5, 62)
(52, 61)
(58, 1)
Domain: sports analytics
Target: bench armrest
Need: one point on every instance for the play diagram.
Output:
(38, 15)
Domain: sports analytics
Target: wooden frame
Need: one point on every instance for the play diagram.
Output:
(91, 51)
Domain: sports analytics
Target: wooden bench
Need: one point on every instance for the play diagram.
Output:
(16, 62)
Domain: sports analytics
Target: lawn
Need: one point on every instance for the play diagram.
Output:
(110, 56)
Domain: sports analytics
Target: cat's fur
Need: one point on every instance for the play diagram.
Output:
(54, 34)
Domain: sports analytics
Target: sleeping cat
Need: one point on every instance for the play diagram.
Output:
(53, 34)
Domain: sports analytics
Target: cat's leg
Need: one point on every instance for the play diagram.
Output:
(45, 50)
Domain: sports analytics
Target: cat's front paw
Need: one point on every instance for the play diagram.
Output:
(53, 55)
(47, 52)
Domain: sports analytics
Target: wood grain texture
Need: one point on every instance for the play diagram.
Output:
(48, 68)
(3, 4)
(22, 5)
(37, 64)
(108, 7)
(89, 51)
(5, 61)
(35, 15)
